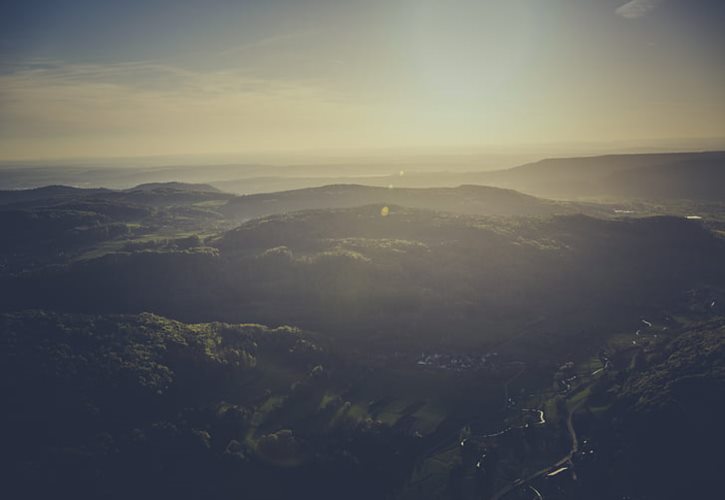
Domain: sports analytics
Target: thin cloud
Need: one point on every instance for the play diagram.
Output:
(637, 8)
(145, 77)
(59, 109)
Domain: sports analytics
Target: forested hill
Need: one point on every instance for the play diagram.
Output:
(471, 200)
(349, 271)
(140, 406)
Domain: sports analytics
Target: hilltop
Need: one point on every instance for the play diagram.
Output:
(470, 200)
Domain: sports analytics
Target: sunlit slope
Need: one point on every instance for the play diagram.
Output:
(138, 402)
(413, 275)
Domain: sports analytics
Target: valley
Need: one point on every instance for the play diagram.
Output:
(487, 348)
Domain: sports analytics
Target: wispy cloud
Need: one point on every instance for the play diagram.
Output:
(637, 8)
(149, 106)
(56, 80)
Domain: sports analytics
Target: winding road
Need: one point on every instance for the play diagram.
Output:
(561, 462)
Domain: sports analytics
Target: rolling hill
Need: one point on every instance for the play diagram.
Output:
(660, 177)
(470, 200)
(413, 276)
(699, 176)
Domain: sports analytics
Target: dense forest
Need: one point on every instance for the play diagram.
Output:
(497, 346)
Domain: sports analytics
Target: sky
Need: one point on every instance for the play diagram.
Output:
(101, 78)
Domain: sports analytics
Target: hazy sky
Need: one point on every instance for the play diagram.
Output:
(144, 77)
